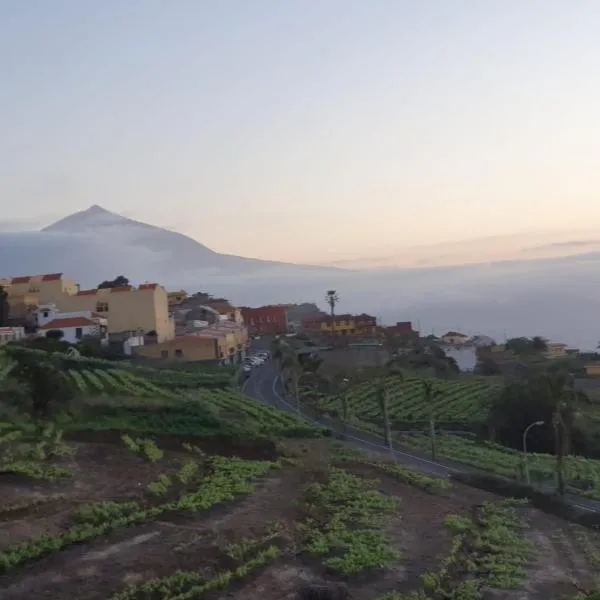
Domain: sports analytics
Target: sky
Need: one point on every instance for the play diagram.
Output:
(304, 130)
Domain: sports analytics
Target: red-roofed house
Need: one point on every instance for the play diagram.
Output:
(74, 326)
(454, 338)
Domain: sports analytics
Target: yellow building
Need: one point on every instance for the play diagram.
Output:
(555, 350)
(223, 342)
(592, 370)
(185, 348)
(176, 298)
(145, 308)
(341, 324)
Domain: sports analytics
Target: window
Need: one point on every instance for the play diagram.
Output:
(78, 332)
(102, 307)
(164, 353)
(34, 290)
(45, 314)
(178, 353)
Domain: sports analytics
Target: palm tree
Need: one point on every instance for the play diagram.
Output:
(332, 299)
(564, 399)
(429, 393)
(382, 390)
(291, 371)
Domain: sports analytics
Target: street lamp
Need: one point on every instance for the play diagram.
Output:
(534, 424)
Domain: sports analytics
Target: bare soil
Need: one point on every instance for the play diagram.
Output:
(104, 470)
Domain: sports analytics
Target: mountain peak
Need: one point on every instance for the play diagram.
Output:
(92, 217)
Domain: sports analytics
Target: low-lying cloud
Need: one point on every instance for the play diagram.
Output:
(558, 298)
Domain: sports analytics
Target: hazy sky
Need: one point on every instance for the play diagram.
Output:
(301, 129)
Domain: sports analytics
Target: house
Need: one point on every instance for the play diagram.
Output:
(454, 338)
(592, 370)
(555, 350)
(176, 298)
(270, 319)
(186, 348)
(346, 324)
(128, 309)
(223, 343)
(403, 329)
(11, 334)
(145, 308)
(74, 325)
(482, 341)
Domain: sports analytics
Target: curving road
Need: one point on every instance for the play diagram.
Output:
(265, 386)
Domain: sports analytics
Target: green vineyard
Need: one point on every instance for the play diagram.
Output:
(583, 474)
(459, 402)
(115, 382)
(206, 413)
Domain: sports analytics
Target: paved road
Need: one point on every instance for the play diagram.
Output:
(264, 385)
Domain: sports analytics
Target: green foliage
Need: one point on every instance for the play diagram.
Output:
(184, 585)
(102, 512)
(460, 402)
(347, 511)
(230, 477)
(28, 451)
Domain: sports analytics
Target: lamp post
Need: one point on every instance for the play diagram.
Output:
(534, 424)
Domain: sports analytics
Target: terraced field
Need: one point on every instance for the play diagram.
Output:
(141, 518)
(456, 402)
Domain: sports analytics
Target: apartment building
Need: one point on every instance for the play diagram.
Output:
(358, 325)
(142, 309)
(270, 319)
(223, 343)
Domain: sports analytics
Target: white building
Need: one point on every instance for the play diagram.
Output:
(11, 334)
(74, 325)
(454, 338)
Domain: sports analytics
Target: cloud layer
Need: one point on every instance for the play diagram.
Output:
(558, 298)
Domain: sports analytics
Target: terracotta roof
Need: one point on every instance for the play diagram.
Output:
(28, 278)
(455, 334)
(123, 288)
(87, 292)
(149, 286)
(68, 322)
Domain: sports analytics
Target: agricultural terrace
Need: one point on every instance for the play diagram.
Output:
(207, 494)
(138, 517)
(463, 402)
(582, 474)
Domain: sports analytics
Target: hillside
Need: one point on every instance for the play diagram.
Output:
(147, 489)
(94, 244)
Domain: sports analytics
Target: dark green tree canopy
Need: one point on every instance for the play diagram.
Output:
(119, 281)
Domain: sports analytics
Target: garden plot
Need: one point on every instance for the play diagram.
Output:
(134, 521)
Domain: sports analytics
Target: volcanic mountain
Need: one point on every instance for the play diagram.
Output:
(96, 244)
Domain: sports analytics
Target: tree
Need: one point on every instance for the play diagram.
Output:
(48, 388)
(332, 299)
(119, 281)
(429, 393)
(523, 346)
(382, 391)
(4, 307)
(55, 334)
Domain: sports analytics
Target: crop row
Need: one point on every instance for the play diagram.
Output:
(342, 524)
(206, 413)
(487, 551)
(583, 474)
(230, 478)
(453, 402)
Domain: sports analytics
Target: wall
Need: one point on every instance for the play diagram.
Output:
(70, 333)
(45, 288)
(126, 309)
(193, 348)
(465, 357)
(11, 334)
(266, 320)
